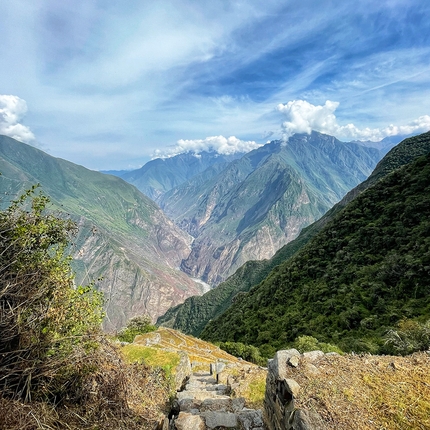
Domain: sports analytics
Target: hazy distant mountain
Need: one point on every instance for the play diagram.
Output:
(162, 174)
(260, 202)
(385, 144)
(118, 173)
(124, 237)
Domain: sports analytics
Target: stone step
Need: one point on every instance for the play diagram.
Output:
(205, 405)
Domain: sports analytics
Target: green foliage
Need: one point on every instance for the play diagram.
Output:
(409, 336)
(309, 343)
(195, 313)
(43, 317)
(366, 269)
(137, 325)
(247, 352)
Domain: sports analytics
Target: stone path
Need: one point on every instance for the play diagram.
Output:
(205, 404)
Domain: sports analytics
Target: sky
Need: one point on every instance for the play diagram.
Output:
(111, 84)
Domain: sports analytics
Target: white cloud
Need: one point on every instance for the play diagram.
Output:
(303, 117)
(220, 144)
(12, 110)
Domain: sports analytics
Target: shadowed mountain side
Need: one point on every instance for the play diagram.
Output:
(365, 270)
(192, 316)
(124, 237)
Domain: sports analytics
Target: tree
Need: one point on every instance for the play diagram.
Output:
(137, 325)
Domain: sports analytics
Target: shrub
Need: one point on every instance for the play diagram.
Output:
(43, 317)
(410, 336)
(309, 343)
(137, 325)
(247, 352)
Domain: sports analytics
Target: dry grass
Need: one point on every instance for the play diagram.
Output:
(248, 379)
(114, 395)
(198, 350)
(250, 383)
(367, 392)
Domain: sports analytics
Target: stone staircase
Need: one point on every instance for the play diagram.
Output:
(205, 404)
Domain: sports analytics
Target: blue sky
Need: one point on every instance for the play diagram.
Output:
(107, 84)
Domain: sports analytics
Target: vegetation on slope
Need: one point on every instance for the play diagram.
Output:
(366, 392)
(193, 315)
(123, 236)
(365, 271)
(56, 368)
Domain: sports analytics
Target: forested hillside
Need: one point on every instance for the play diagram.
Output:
(365, 271)
(193, 315)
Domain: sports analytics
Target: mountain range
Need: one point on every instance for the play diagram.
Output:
(226, 210)
(364, 268)
(196, 312)
(160, 175)
(124, 238)
(254, 205)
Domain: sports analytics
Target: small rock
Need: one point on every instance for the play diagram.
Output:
(215, 405)
(237, 404)
(313, 355)
(306, 420)
(251, 419)
(292, 387)
(187, 421)
(294, 361)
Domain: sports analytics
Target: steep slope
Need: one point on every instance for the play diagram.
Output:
(162, 174)
(193, 315)
(364, 271)
(124, 237)
(260, 202)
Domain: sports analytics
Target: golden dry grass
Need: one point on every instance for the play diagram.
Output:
(367, 392)
(114, 395)
(198, 350)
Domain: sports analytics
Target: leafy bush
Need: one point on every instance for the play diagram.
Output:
(309, 343)
(247, 352)
(43, 318)
(137, 325)
(410, 336)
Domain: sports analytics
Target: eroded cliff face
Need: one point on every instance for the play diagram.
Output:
(133, 284)
(124, 238)
(216, 254)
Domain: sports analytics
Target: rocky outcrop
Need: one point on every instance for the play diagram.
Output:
(281, 391)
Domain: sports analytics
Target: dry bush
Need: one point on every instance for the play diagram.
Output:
(56, 370)
(104, 393)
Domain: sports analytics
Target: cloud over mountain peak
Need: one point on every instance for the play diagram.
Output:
(220, 144)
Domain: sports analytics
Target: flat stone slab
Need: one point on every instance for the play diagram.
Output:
(220, 419)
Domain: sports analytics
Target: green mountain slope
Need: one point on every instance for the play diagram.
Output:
(260, 202)
(193, 315)
(368, 268)
(124, 237)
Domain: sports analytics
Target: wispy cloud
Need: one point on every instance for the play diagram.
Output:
(148, 74)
